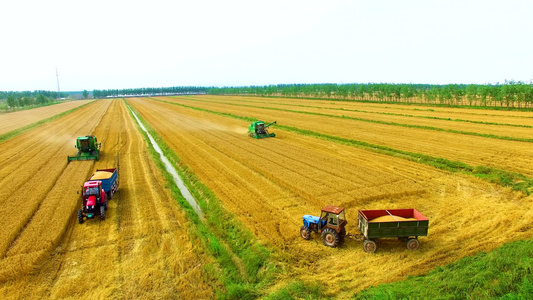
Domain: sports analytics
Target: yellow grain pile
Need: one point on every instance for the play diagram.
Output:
(390, 218)
(101, 175)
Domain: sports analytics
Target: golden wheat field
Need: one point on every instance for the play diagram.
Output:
(144, 248)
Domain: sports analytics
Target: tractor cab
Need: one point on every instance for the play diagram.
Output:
(331, 224)
(93, 201)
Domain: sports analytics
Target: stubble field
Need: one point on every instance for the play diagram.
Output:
(144, 249)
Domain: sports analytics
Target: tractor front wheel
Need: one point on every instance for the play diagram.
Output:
(369, 246)
(102, 212)
(80, 216)
(330, 238)
(305, 233)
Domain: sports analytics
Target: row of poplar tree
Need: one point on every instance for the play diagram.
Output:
(508, 94)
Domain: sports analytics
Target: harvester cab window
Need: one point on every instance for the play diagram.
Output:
(261, 128)
(84, 144)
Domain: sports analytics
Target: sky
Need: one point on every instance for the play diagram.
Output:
(115, 44)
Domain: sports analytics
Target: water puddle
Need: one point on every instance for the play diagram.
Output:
(170, 168)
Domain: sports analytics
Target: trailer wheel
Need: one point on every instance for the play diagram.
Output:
(413, 244)
(369, 246)
(102, 212)
(305, 233)
(80, 216)
(330, 238)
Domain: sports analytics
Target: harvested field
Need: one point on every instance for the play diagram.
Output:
(147, 246)
(510, 124)
(270, 184)
(142, 249)
(507, 155)
(19, 119)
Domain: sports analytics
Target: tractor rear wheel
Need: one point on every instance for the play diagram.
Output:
(102, 212)
(413, 244)
(80, 216)
(370, 246)
(330, 238)
(342, 235)
(305, 233)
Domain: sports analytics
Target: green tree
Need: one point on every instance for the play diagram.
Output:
(85, 94)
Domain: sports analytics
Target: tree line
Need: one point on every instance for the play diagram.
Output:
(27, 98)
(141, 92)
(509, 94)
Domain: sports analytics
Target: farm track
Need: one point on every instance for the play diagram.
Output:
(269, 184)
(511, 156)
(141, 250)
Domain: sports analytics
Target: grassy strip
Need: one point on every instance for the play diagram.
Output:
(224, 237)
(299, 290)
(14, 133)
(493, 136)
(515, 180)
(505, 273)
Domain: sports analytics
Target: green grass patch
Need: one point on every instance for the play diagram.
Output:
(12, 134)
(299, 290)
(505, 273)
(243, 266)
(505, 178)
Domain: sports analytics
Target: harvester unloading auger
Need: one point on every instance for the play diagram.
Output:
(88, 148)
(258, 130)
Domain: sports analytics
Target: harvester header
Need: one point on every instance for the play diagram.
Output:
(88, 148)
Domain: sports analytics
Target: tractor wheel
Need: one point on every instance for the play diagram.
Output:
(369, 246)
(102, 212)
(80, 216)
(305, 233)
(413, 244)
(330, 238)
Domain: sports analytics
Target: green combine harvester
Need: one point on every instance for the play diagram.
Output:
(258, 130)
(88, 148)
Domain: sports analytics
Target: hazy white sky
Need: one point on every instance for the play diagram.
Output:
(154, 43)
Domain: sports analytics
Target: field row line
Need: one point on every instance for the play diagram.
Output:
(493, 136)
(517, 181)
(439, 105)
(388, 113)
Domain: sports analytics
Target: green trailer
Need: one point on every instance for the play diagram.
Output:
(88, 148)
(404, 224)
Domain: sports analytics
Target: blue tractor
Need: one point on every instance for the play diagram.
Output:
(331, 225)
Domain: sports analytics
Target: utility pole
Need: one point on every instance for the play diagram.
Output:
(57, 77)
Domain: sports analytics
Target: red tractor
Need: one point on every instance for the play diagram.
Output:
(93, 201)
